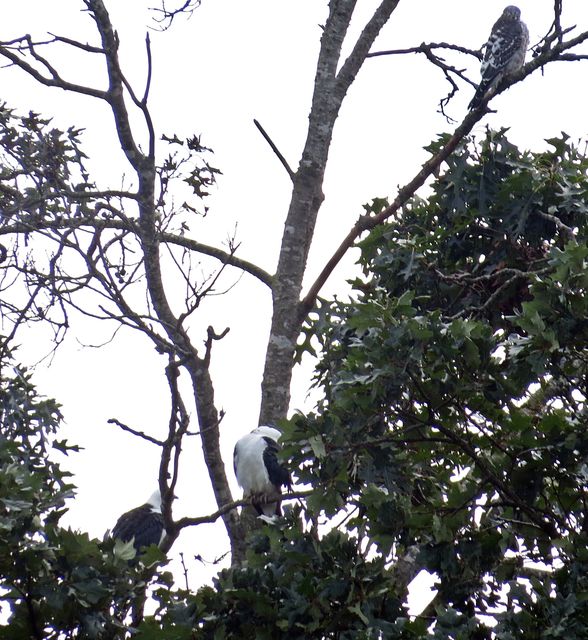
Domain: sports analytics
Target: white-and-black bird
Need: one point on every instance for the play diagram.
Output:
(505, 52)
(258, 470)
(143, 525)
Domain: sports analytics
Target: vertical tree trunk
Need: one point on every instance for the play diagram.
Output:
(330, 88)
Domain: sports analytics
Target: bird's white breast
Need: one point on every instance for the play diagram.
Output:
(250, 469)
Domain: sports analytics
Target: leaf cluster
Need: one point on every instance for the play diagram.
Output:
(452, 434)
(452, 430)
(54, 582)
(42, 172)
(454, 419)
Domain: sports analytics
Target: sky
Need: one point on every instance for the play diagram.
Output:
(231, 62)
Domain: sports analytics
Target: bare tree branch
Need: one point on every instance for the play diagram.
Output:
(423, 47)
(149, 73)
(54, 79)
(360, 51)
(330, 89)
(115, 93)
(449, 71)
(168, 15)
(244, 502)
(274, 148)
(367, 222)
(74, 43)
(136, 432)
(211, 336)
(178, 426)
(165, 238)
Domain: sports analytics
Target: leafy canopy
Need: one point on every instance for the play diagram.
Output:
(452, 435)
(54, 582)
(451, 438)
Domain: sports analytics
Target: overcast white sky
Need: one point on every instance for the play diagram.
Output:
(231, 62)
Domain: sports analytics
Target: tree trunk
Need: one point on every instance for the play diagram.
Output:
(330, 88)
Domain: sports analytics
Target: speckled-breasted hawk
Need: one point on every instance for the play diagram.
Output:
(505, 52)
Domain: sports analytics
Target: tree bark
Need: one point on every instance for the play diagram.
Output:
(330, 89)
(197, 367)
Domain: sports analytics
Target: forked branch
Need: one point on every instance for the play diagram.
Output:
(367, 222)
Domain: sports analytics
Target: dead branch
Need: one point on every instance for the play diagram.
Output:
(149, 71)
(177, 428)
(449, 71)
(211, 336)
(243, 502)
(274, 148)
(427, 46)
(168, 15)
(13, 54)
(73, 43)
(26, 226)
(136, 432)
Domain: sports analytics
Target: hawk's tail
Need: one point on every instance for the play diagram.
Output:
(478, 97)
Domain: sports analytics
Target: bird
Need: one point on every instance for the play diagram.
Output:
(258, 471)
(505, 52)
(143, 525)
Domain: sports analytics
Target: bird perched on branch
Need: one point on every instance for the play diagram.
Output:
(258, 470)
(505, 52)
(143, 525)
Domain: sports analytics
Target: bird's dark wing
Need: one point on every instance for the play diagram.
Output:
(505, 41)
(505, 53)
(278, 474)
(143, 524)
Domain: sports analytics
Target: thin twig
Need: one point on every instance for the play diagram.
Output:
(212, 335)
(135, 432)
(274, 149)
(188, 7)
(185, 571)
(243, 502)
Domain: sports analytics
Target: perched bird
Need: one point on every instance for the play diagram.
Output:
(505, 52)
(258, 470)
(143, 525)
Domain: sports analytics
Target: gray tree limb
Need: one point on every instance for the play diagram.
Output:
(330, 89)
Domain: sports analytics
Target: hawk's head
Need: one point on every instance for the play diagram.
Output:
(511, 12)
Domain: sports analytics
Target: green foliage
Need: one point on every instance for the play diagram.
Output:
(297, 586)
(42, 170)
(54, 582)
(454, 417)
(452, 434)
(452, 437)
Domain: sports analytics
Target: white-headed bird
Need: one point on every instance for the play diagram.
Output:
(143, 525)
(258, 470)
(505, 52)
